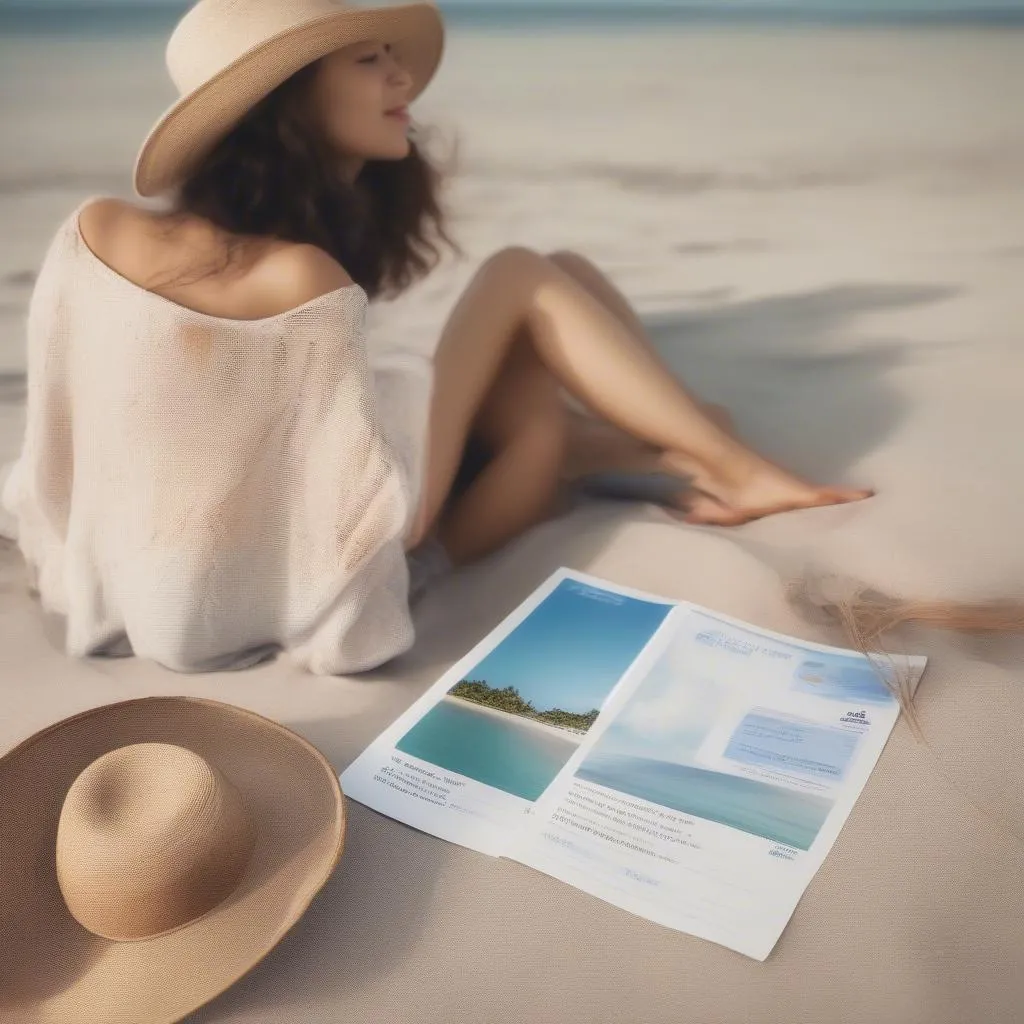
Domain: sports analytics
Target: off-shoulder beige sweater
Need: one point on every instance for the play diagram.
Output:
(202, 491)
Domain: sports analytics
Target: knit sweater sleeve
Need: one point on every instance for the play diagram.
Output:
(37, 487)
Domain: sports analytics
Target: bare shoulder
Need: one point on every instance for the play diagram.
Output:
(291, 274)
(118, 233)
(101, 208)
(268, 278)
(98, 217)
(115, 232)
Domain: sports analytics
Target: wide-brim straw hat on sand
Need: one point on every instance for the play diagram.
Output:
(151, 853)
(224, 56)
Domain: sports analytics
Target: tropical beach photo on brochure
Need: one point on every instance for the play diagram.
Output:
(518, 715)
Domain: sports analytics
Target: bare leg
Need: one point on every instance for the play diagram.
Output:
(596, 358)
(585, 274)
(523, 423)
(538, 441)
(595, 445)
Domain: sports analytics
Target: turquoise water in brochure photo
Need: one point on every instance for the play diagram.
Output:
(503, 751)
(565, 656)
(782, 815)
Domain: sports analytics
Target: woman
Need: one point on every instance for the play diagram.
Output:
(214, 466)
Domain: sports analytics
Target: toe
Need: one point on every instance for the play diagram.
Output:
(842, 495)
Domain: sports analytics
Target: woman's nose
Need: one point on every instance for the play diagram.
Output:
(400, 76)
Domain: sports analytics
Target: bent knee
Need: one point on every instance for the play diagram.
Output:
(521, 259)
(566, 258)
(515, 261)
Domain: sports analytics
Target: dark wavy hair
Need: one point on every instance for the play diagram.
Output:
(275, 175)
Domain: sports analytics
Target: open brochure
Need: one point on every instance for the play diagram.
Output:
(685, 766)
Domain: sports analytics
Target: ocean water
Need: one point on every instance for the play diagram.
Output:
(503, 752)
(59, 17)
(793, 819)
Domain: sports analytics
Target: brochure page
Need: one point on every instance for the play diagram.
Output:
(717, 780)
(470, 758)
(680, 764)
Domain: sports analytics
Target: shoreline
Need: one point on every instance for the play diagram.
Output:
(572, 737)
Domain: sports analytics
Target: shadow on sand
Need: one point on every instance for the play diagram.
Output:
(735, 354)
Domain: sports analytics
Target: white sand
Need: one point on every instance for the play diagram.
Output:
(553, 730)
(826, 232)
(779, 194)
(804, 217)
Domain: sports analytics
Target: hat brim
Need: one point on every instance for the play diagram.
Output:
(194, 124)
(51, 961)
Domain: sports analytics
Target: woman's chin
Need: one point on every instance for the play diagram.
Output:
(387, 150)
(401, 151)
(398, 148)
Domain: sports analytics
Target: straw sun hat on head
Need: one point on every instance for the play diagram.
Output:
(151, 853)
(224, 56)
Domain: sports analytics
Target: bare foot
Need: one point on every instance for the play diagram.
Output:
(750, 489)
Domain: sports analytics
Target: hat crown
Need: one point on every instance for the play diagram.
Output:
(151, 836)
(215, 33)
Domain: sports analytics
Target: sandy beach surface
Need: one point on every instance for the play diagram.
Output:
(823, 230)
(552, 730)
(803, 216)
